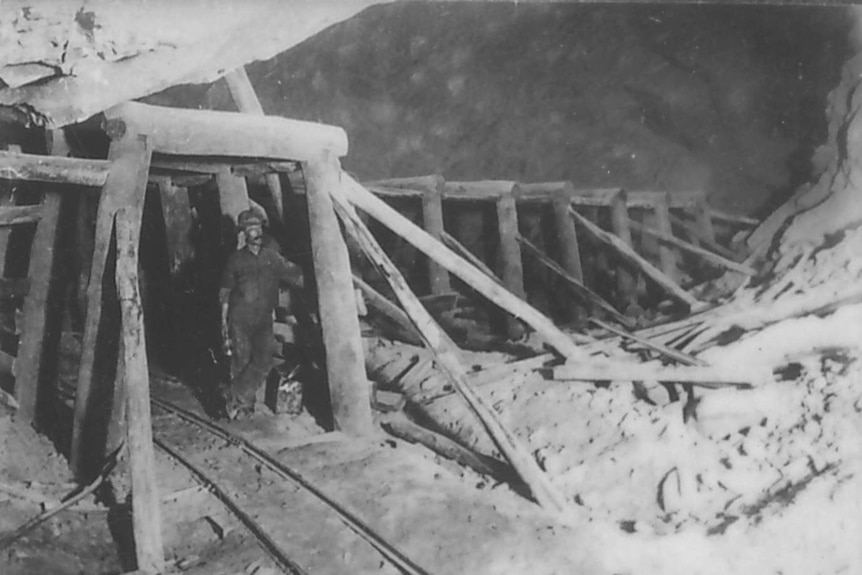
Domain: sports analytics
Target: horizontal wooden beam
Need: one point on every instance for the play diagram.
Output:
(203, 166)
(53, 169)
(479, 190)
(716, 376)
(213, 133)
(635, 198)
(14, 215)
(416, 183)
(633, 258)
(693, 249)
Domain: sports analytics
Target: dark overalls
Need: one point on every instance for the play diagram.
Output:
(253, 282)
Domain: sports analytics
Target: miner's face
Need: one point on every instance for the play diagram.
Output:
(254, 235)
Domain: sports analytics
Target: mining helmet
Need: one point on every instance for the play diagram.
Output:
(248, 218)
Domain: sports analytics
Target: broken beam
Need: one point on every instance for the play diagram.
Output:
(633, 258)
(14, 215)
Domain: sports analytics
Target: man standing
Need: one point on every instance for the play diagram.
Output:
(248, 296)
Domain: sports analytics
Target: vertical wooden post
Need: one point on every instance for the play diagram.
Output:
(247, 102)
(146, 506)
(7, 201)
(626, 282)
(29, 368)
(512, 272)
(125, 186)
(232, 193)
(703, 220)
(432, 220)
(567, 235)
(667, 255)
(345, 364)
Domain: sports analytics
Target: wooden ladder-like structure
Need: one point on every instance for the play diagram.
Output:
(41, 311)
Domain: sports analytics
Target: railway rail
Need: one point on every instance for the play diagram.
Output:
(387, 550)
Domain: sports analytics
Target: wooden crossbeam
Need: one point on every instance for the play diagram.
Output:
(633, 258)
(15, 215)
(479, 190)
(204, 166)
(693, 249)
(211, 133)
(53, 169)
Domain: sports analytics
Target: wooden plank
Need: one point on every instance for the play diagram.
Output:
(125, 186)
(53, 169)
(512, 267)
(632, 257)
(567, 236)
(377, 302)
(581, 291)
(693, 249)
(232, 193)
(15, 215)
(146, 507)
(246, 100)
(398, 425)
(668, 261)
(626, 281)
(476, 279)
(432, 221)
(349, 388)
(715, 376)
(673, 354)
(211, 133)
(447, 356)
(30, 371)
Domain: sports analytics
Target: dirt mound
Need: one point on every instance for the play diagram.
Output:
(26, 456)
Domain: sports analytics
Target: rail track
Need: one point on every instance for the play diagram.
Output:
(270, 544)
(386, 549)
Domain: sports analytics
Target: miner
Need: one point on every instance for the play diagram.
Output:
(248, 296)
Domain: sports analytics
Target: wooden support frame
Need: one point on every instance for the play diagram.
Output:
(512, 266)
(473, 277)
(447, 354)
(30, 369)
(53, 169)
(706, 376)
(632, 257)
(349, 388)
(626, 281)
(146, 504)
(209, 133)
(246, 100)
(125, 187)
